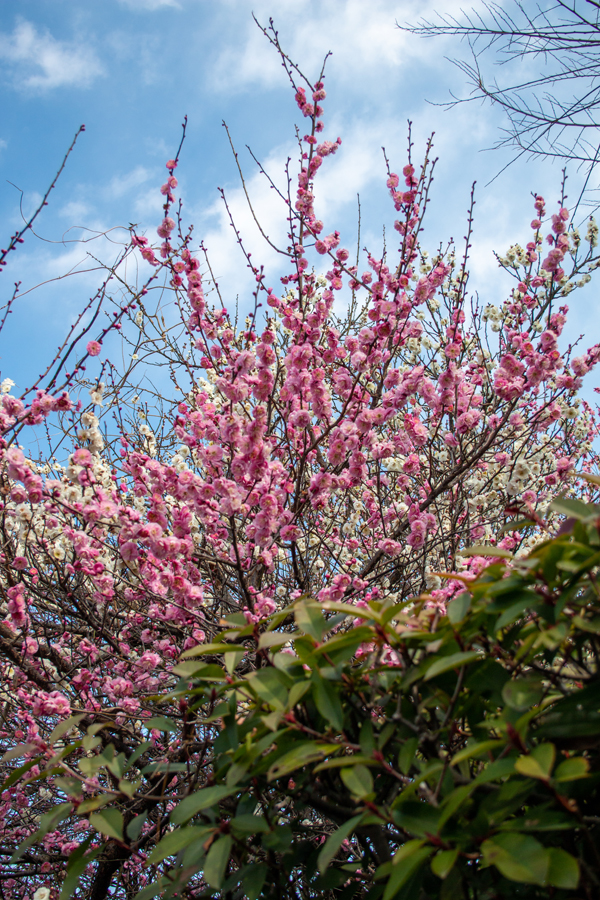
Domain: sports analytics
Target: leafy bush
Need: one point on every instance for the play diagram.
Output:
(403, 754)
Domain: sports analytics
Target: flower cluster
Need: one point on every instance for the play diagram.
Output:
(346, 457)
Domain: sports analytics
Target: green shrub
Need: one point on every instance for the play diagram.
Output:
(406, 754)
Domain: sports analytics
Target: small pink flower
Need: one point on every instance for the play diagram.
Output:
(166, 227)
(82, 457)
(94, 348)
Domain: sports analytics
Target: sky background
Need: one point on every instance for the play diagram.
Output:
(131, 69)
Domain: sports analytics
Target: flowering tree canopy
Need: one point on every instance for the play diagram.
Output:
(367, 423)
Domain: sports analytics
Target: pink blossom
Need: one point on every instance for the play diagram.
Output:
(467, 421)
(166, 227)
(53, 703)
(296, 453)
(82, 457)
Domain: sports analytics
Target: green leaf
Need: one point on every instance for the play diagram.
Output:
(540, 818)
(160, 723)
(270, 639)
(279, 839)
(156, 768)
(51, 819)
(563, 870)
(139, 751)
(214, 649)
(342, 647)
(65, 726)
(195, 803)
(271, 685)
(572, 769)
(108, 822)
(297, 692)
(454, 661)
(310, 620)
(273, 719)
(407, 860)
(236, 772)
(367, 738)
(494, 771)
(328, 703)
(537, 764)
(358, 780)
(250, 824)
(335, 841)
(192, 669)
(515, 611)
(151, 890)
(254, 877)
(129, 787)
(305, 753)
(365, 612)
(237, 620)
(418, 818)
(519, 857)
(485, 550)
(442, 862)
(117, 765)
(216, 861)
(523, 693)
(93, 803)
(232, 660)
(72, 787)
(458, 608)
(452, 802)
(592, 626)
(174, 841)
(89, 743)
(342, 762)
(407, 754)
(96, 728)
(208, 672)
(16, 773)
(134, 829)
(516, 525)
(475, 750)
(545, 755)
(587, 476)
(530, 768)
(575, 509)
(18, 751)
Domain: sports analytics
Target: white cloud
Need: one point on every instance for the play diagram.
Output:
(148, 206)
(123, 184)
(40, 62)
(213, 227)
(363, 39)
(81, 211)
(76, 210)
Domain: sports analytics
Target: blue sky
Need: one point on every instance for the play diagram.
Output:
(131, 69)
